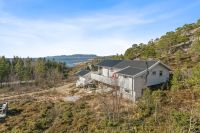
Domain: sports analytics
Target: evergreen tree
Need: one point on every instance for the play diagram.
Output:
(4, 69)
(196, 47)
(177, 80)
(28, 69)
(40, 70)
(194, 80)
(19, 69)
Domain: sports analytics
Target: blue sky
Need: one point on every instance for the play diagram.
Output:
(38, 28)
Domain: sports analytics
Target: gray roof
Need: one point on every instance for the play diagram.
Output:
(109, 63)
(131, 71)
(141, 64)
(125, 63)
(129, 67)
(82, 72)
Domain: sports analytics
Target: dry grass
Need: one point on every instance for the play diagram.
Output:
(90, 113)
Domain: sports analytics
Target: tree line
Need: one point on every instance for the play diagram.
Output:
(38, 70)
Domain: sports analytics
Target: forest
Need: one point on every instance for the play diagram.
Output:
(40, 70)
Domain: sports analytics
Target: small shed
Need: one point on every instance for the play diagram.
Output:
(84, 78)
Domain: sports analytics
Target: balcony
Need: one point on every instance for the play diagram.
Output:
(103, 79)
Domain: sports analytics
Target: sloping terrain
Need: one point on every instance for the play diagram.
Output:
(68, 109)
(157, 111)
(181, 46)
(50, 111)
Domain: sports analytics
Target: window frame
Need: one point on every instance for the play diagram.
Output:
(153, 73)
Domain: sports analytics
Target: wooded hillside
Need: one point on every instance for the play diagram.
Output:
(181, 45)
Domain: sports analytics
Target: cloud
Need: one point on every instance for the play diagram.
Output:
(101, 32)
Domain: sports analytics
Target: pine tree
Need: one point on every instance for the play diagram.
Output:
(19, 69)
(40, 70)
(4, 69)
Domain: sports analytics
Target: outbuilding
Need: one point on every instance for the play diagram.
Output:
(84, 78)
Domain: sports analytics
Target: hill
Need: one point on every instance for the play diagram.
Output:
(181, 45)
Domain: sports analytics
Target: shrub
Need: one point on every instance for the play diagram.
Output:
(180, 120)
(177, 80)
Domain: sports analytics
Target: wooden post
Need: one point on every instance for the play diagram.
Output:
(132, 86)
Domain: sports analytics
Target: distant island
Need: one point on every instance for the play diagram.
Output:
(72, 60)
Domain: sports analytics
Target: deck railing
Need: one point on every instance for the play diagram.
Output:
(80, 83)
(104, 79)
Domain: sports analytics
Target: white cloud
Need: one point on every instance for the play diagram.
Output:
(100, 34)
(103, 33)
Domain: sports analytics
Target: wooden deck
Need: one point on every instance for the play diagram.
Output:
(103, 79)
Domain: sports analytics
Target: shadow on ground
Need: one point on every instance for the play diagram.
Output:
(14, 112)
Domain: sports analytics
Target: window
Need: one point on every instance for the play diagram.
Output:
(161, 73)
(154, 73)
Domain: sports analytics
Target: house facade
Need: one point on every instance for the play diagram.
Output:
(131, 76)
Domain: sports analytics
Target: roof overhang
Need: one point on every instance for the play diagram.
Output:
(144, 71)
(158, 62)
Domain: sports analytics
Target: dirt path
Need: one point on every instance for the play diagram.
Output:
(64, 90)
(23, 95)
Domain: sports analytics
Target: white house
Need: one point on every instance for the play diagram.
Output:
(84, 78)
(131, 76)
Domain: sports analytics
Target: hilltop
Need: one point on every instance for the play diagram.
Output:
(181, 45)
